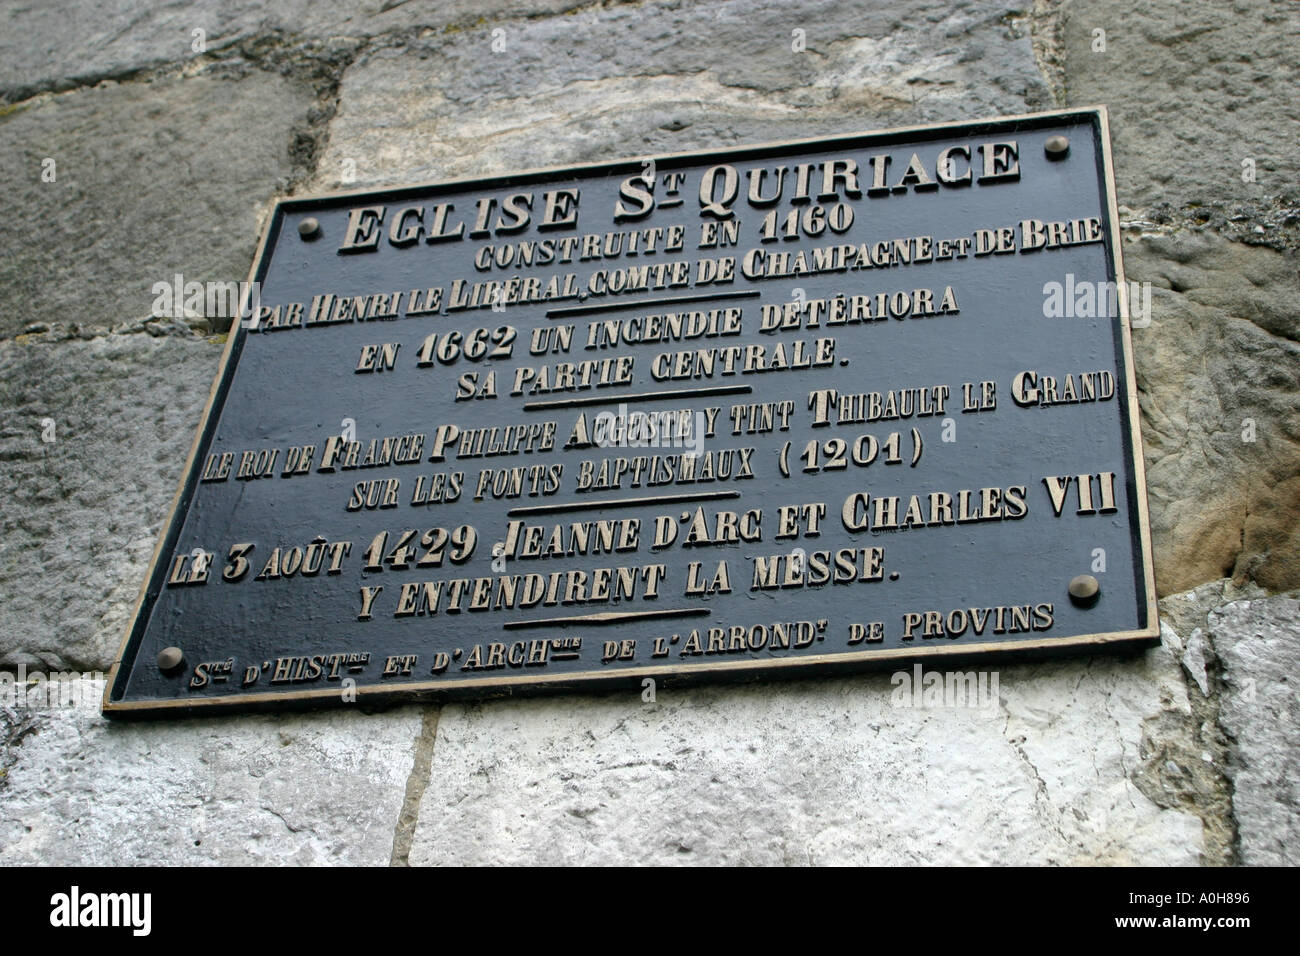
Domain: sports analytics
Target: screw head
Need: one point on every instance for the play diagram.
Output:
(1057, 146)
(1084, 589)
(309, 228)
(169, 659)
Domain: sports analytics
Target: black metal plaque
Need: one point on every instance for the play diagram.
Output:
(779, 409)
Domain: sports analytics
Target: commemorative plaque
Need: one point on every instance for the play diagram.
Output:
(782, 409)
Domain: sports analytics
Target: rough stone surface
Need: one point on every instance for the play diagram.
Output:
(661, 78)
(1195, 89)
(318, 789)
(1258, 643)
(151, 179)
(823, 773)
(1184, 613)
(84, 511)
(38, 50)
(1219, 380)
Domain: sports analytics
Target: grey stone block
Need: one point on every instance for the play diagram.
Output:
(654, 78)
(322, 789)
(82, 513)
(811, 772)
(47, 45)
(151, 180)
(1195, 89)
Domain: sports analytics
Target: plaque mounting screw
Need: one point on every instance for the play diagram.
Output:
(1057, 147)
(309, 228)
(169, 658)
(1084, 589)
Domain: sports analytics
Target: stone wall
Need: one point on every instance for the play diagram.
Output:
(167, 146)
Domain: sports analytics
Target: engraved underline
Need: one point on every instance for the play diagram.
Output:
(640, 397)
(621, 502)
(668, 300)
(608, 617)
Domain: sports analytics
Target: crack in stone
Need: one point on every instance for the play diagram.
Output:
(287, 825)
(1044, 23)
(1211, 705)
(17, 728)
(416, 783)
(1169, 738)
(1042, 800)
